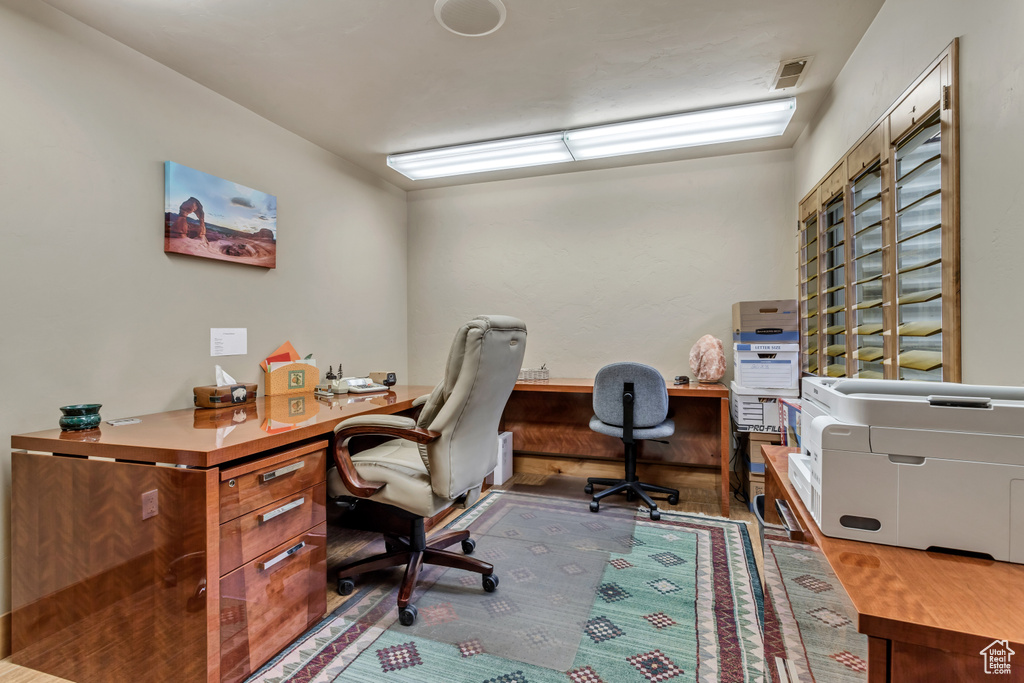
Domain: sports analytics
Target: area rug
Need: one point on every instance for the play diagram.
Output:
(677, 601)
(810, 630)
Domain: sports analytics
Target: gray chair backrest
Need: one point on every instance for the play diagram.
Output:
(466, 406)
(650, 402)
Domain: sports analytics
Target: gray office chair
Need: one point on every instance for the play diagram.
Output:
(436, 461)
(630, 403)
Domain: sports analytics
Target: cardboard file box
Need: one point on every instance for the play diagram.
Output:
(756, 410)
(757, 439)
(773, 322)
(766, 366)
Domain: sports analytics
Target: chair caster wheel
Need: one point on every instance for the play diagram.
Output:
(655, 515)
(468, 546)
(390, 547)
(673, 500)
(490, 583)
(594, 506)
(630, 495)
(407, 615)
(588, 489)
(346, 586)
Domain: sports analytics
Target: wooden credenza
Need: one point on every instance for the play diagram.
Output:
(188, 547)
(927, 615)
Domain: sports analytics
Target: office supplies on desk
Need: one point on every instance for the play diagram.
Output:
(219, 397)
(388, 379)
(226, 392)
(914, 464)
(362, 385)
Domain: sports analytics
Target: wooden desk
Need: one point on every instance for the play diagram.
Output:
(229, 569)
(927, 615)
(552, 417)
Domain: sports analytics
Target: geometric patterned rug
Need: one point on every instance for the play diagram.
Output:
(810, 625)
(680, 604)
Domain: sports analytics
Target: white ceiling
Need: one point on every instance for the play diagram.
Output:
(364, 78)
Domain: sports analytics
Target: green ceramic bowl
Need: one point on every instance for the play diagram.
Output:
(80, 416)
(82, 409)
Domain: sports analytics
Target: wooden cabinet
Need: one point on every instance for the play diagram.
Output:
(228, 569)
(172, 582)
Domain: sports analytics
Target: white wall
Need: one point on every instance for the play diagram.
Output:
(903, 39)
(632, 263)
(92, 309)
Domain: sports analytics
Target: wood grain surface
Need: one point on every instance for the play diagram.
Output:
(265, 608)
(183, 437)
(88, 571)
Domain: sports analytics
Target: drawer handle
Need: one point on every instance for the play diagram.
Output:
(266, 517)
(267, 476)
(789, 521)
(263, 566)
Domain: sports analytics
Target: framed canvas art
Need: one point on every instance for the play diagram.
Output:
(210, 217)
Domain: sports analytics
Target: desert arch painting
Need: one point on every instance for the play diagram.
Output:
(214, 218)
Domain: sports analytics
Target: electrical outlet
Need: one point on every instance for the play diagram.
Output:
(150, 505)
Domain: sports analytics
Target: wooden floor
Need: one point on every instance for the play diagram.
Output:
(697, 494)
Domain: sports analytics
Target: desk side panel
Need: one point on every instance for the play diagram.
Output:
(98, 593)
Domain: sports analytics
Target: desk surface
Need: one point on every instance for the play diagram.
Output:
(586, 386)
(201, 437)
(952, 603)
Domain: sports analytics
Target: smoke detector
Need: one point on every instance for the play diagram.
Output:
(471, 18)
(791, 73)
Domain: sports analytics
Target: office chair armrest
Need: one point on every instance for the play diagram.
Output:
(396, 421)
(371, 425)
(417, 402)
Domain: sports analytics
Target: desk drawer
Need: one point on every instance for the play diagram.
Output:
(270, 601)
(257, 484)
(255, 533)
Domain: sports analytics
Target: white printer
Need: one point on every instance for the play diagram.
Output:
(914, 464)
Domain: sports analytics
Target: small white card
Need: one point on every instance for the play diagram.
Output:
(228, 341)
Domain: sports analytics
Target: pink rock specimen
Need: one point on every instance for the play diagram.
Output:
(707, 359)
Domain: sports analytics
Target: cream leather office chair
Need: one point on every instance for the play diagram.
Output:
(435, 462)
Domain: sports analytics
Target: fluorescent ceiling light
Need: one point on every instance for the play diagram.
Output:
(710, 126)
(532, 150)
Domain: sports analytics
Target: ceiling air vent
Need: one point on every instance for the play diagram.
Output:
(791, 73)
